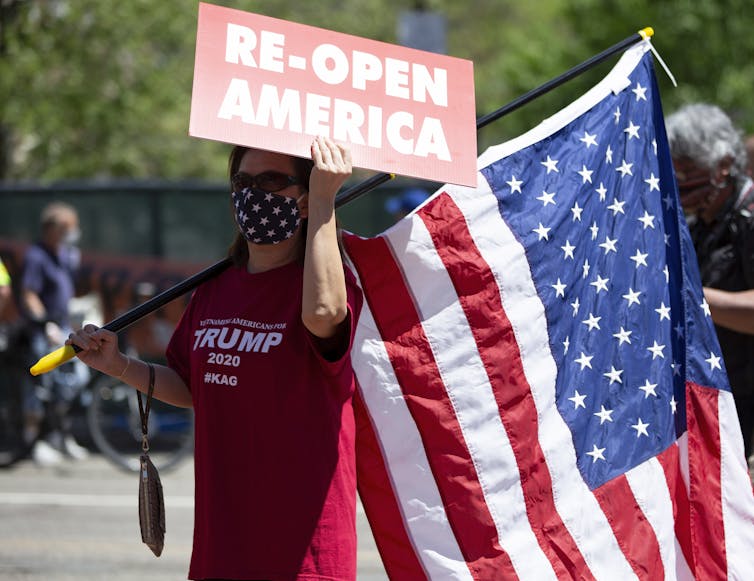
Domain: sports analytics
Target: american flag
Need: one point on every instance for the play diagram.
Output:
(541, 392)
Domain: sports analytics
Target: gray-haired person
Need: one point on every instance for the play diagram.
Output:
(717, 196)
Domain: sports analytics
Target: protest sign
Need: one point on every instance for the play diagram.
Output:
(273, 84)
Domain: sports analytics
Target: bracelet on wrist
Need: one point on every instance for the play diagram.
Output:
(128, 363)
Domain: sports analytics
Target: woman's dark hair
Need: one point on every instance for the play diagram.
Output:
(239, 251)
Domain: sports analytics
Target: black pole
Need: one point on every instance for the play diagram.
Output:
(567, 76)
(360, 189)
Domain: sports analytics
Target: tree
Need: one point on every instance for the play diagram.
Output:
(706, 43)
(102, 88)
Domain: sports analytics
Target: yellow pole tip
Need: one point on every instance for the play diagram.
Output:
(647, 32)
(53, 360)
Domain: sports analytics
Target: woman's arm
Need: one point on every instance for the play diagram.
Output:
(732, 310)
(324, 306)
(99, 350)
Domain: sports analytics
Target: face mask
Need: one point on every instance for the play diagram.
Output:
(72, 236)
(265, 218)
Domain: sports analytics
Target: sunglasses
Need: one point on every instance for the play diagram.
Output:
(691, 184)
(269, 181)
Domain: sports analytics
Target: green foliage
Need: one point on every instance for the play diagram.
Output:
(102, 88)
(707, 44)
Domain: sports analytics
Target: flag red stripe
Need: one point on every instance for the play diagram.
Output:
(384, 514)
(480, 299)
(705, 490)
(416, 370)
(635, 534)
(671, 465)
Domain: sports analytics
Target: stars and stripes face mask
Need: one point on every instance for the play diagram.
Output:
(264, 217)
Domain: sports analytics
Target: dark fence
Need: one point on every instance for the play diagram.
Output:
(170, 220)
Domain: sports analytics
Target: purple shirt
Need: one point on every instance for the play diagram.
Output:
(50, 276)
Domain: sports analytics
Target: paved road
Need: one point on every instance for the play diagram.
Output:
(79, 522)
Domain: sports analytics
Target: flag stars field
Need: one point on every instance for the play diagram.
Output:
(606, 251)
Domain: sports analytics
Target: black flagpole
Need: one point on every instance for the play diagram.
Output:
(65, 353)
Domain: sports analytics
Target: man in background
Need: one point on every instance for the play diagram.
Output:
(46, 289)
(717, 196)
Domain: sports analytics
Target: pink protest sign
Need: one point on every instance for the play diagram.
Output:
(274, 84)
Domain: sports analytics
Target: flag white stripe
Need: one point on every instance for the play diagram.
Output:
(737, 499)
(470, 393)
(683, 458)
(577, 506)
(650, 489)
(407, 465)
(682, 570)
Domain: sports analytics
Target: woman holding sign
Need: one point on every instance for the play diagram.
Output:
(262, 354)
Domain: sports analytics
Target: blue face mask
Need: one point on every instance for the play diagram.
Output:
(265, 218)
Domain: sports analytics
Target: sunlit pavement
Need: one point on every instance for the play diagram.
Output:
(79, 521)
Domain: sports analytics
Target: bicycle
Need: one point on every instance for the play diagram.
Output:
(112, 417)
(115, 426)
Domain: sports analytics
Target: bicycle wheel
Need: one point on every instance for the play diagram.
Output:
(115, 426)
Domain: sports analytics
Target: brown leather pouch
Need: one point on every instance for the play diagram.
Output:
(151, 501)
(151, 506)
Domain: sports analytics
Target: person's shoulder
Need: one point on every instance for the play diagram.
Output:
(35, 252)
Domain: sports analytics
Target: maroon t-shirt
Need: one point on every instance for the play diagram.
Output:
(274, 461)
